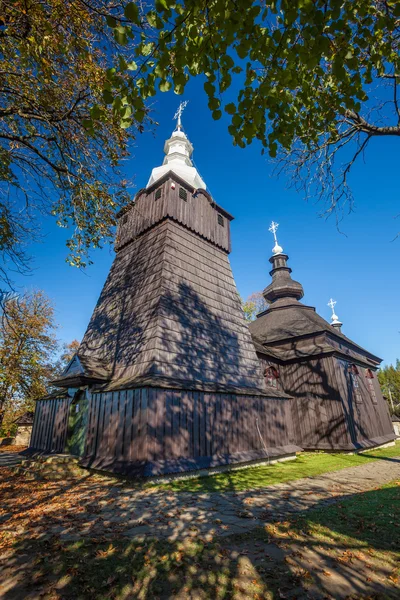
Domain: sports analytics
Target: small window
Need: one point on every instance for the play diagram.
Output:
(355, 383)
(353, 369)
(271, 376)
(157, 194)
(221, 220)
(124, 219)
(183, 194)
(370, 376)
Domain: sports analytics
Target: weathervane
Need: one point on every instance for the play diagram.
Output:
(334, 317)
(179, 112)
(277, 249)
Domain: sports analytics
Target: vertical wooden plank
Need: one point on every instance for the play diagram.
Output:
(143, 424)
(120, 434)
(196, 449)
(35, 425)
(160, 418)
(135, 432)
(128, 426)
(176, 431)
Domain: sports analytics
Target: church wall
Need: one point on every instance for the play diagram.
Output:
(151, 431)
(317, 408)
(369, 416)
(324, 412)
(49, 431)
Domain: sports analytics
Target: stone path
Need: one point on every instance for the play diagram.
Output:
(179, 515)
(98, 507)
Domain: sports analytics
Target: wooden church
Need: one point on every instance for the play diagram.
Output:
(336, 400)
(168, 376)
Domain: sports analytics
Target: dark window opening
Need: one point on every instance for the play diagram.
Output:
(353, 369)
(355, 383)
(271, 376)
(221, 220)
(370, 376)
(124, 219)
(183, 194)
(158, 194)
(371, 390)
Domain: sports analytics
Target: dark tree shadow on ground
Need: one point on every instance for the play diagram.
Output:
(328, 551)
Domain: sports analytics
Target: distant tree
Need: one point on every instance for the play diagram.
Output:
(27, 347)
(389, 379)
(64, 118)
(68, 351)
(254, 304)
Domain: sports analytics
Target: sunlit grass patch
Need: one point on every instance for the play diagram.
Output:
(308, 464)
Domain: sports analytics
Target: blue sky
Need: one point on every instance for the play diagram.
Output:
(359, 269)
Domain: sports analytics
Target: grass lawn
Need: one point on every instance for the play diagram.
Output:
(308, 464)
(347, 550)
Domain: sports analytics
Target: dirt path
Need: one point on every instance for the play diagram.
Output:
(99, 507)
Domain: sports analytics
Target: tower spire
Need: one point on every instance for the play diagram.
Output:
(283, 287)
(178, 114)
(334, 318)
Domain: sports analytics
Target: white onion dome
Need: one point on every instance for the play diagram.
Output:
(277, 249)
(178, 151)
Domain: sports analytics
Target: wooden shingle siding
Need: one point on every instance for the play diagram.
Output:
(170, 431)
(170, 308)
(196, 213)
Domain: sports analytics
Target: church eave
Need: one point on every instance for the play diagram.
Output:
(355, 353)
(186, 385)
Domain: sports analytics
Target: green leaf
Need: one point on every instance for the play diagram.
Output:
(209, 88)
(108, 97)
(132, 13)
(111, 22)
(230, 108)
(217, 114)
(165, 86)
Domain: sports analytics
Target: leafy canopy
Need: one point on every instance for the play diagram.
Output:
(64, 119)
(306, 72)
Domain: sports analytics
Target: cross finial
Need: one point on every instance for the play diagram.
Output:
(179, 112)
(332, 303)
(277, 249)
(334, 318)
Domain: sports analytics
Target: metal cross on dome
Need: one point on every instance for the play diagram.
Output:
(273, 228)
(179, 112)
(277, 249)
(332, 303)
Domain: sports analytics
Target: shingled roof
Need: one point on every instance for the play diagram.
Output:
(287, 319)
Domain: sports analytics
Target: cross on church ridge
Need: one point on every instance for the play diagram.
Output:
(179, 112)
